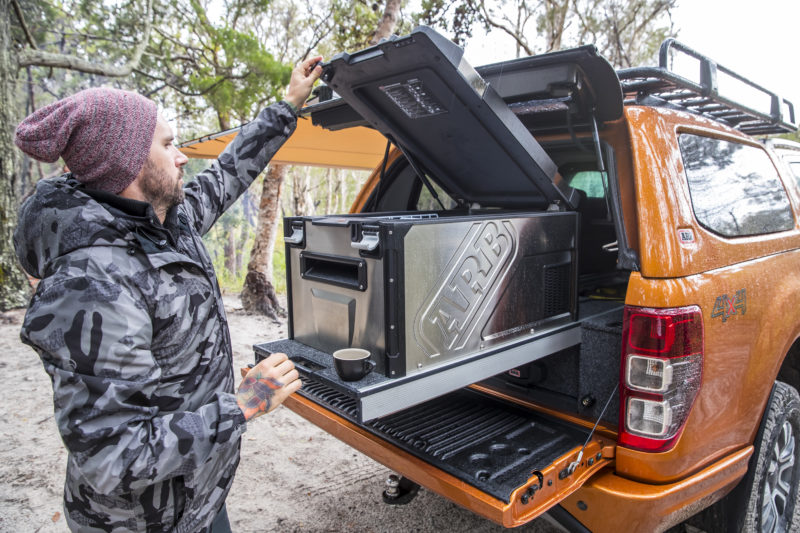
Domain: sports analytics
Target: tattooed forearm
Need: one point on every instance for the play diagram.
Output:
(255, 395)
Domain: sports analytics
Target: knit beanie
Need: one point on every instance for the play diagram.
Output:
(103, 134)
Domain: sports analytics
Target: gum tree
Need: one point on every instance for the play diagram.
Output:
(626, 32)
(171, 51)
(19, 49)
(349, 25)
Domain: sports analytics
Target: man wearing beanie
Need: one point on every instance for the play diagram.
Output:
(128, 318)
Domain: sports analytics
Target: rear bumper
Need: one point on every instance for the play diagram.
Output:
(647, 508)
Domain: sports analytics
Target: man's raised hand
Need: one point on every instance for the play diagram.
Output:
(303, 77)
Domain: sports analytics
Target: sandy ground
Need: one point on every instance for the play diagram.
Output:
(293, 476)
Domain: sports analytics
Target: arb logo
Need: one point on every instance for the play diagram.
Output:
(450, 313)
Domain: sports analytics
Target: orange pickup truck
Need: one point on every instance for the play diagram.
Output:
(577, 286)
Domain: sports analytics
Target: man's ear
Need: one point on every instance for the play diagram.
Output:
(134, 190)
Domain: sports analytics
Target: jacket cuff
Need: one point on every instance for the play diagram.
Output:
(230, 404)
(291, 106)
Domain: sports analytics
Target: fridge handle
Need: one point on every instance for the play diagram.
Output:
(347, 272)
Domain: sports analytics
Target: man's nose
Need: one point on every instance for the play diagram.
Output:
(181, 159)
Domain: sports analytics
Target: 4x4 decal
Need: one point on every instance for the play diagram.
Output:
(725, 306)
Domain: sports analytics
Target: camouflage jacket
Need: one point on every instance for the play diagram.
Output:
(129, 324)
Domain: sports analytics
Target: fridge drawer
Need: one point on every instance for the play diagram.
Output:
(422, 291)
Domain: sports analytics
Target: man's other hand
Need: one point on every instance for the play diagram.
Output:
(303, 77)
(267, 385)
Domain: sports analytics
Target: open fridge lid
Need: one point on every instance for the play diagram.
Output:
(424, 97)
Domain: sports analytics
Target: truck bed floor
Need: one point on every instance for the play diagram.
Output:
(493, 445)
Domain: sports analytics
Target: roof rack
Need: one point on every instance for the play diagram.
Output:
(663, 86)
(784, 144)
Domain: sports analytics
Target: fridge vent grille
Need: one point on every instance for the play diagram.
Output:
(556, 289)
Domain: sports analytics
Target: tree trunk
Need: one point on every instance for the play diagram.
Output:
(301, 189)
(308, 198)
(297, 194)
(343, 207)
(388, 22)
(230, 252)
(244, 232)
(556, 12)
(258, 293)
(329, 183)
(15, 290)
(224, 121)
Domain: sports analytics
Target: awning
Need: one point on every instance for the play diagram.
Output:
(358, 148)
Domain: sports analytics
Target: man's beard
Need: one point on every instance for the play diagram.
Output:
(159, 189)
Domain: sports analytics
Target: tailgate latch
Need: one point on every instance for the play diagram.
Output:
(528, 494)
(298, 230)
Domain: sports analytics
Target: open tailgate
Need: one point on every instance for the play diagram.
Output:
(497, 458)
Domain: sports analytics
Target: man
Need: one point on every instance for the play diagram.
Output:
(128, 319)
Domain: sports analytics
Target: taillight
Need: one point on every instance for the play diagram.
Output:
(662, 366)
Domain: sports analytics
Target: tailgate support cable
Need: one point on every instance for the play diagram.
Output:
(421, 175)
(383, 174)
(601, 165)
(627, 259)
(574, 464)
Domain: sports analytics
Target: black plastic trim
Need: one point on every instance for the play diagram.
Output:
(594, 89)
(627, 258)
(287, 250)
(335, 270)
(289, 225)
(641, 84)
(564, 519)
(394, 284)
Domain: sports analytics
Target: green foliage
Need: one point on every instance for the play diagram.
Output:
(244, 77)
(279, 261)
(216, 240)
(795, 136)
(354, 23)
(39, 16)
(456, 18)
(627, 32)
(213, 60)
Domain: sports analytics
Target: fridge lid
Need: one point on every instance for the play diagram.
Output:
(424, 97)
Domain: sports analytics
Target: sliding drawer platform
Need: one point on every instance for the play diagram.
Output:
(377, 395)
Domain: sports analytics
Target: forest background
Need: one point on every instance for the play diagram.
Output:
(213, 64)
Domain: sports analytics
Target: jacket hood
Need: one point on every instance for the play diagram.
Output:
(59, 218)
